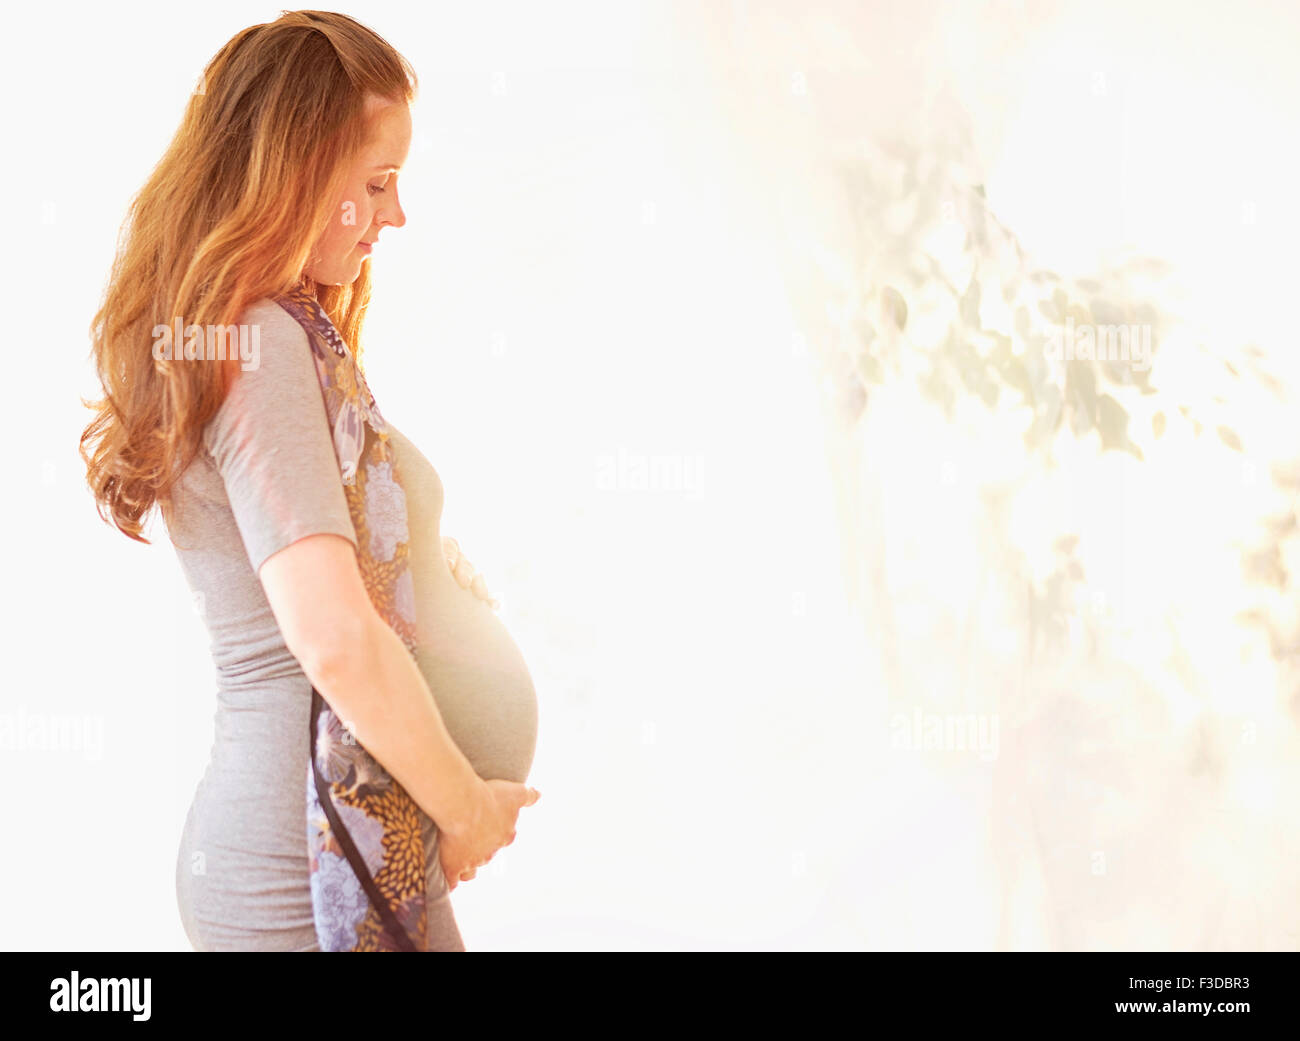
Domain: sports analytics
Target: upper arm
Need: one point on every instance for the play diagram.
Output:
(318, 599)
(272, 444)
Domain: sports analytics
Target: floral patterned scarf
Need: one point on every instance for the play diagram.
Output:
(367, 840)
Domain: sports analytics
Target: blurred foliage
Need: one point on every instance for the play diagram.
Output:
(929, 244)
(939, 291)
(1264, 564)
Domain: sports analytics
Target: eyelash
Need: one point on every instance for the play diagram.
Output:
(374, 188)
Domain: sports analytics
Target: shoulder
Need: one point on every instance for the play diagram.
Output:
(278, 341)
(274, 321)
(275, 374)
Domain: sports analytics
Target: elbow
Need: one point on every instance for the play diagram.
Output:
(334, 658)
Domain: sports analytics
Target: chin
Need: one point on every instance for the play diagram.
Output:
(338, 278)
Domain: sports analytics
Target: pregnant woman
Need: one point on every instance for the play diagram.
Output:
(375, 722)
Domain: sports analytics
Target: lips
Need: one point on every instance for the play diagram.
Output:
(365, 247)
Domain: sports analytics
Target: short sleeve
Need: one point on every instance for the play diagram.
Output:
(271, 442)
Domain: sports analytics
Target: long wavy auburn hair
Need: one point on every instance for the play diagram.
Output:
(228, 216)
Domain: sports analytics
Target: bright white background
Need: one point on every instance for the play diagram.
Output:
(587, 271)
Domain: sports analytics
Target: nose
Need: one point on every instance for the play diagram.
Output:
(393, 214)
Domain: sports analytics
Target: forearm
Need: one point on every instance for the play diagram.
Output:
(378, 691)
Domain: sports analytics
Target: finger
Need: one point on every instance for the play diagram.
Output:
(452, 551)
(464, 572)
(480, 588)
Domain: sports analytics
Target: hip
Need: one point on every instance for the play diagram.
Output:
(243, 878)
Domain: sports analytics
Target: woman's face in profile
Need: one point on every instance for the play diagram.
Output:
(369, 200)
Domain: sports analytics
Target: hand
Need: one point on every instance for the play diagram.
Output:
(462, 855)
(463, 571)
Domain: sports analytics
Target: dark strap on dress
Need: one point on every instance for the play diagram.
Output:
(350, 850)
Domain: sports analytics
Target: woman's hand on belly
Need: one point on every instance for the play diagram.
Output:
(460, 856)
(463, 571)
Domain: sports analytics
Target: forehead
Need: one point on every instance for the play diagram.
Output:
(389, 137)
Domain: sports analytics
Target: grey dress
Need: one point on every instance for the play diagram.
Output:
(267, 477)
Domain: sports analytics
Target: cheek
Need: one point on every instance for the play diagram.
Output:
(332, 237)
(358, 216)
(361, 218)
(349, 224)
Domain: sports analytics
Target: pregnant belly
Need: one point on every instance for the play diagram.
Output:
(479, 680)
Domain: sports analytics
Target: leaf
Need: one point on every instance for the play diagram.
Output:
(989, 393)
(1106, 313)
(870, 368)
(1080, 421)
(970, 304)
(1013, 372)
(1034, 359)
(1230, 438)
(1117, 372)
(1047, 419)
(1066, 543)
(1080, 314)
(1287, 475)
(935, 387)
(894, 306)
(1112, 424)
(1265, 567)
(1053, 406)
(853, 401)
(1081, 382)
(1158, 423)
